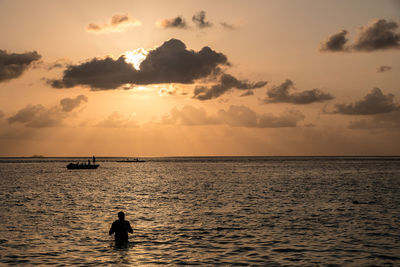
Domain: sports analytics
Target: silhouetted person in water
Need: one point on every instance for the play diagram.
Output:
(121, 228)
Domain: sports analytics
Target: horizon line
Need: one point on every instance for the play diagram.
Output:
(199, 156)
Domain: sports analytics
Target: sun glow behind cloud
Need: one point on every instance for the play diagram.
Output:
(135, 57)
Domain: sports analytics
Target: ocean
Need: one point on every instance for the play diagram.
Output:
(207, 211)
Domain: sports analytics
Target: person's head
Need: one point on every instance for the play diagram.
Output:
(121, 215)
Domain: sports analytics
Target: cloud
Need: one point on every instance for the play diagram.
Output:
(247, 93)
(226, 83)
(388, 121)
(281, 94)
(169, 63)
(381, 69)
(59, 63)
(227, 26)
(177, 22)
(335, 42)
(241, 116)
(376, 35)
(200, 20)
(68, 104)
(116, 120)
(38, 116)
(97, 73)
(235, 116)
(289, 118)
(189, 115)
(173, 90)
(373, 103)
(117, 23)
(173, 63)
(12, 65)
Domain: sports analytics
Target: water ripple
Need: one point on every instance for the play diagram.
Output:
(233, 211)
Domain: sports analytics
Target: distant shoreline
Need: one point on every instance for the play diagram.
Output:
(205, 157)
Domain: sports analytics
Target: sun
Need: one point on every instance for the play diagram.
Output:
(135, 57)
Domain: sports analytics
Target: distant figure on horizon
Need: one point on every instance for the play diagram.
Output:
(94, 160)
(121, 228)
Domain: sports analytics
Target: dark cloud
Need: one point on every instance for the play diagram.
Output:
(173, 63)
(228, 26)
(12, 65)
(177, 22)
(381, 69)
(377, 35)
(169, 63)
(200, 20)
(373, 103)
(336, 42)
(281, 94)
(235, 116)
(226, 83)
(68, 104)
(97, 73)
(118, 22)
(120, 19)
(38, 116)
(247, 93)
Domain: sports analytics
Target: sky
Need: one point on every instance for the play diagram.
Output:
(200, 78)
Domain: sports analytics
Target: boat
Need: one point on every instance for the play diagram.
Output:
(132, 160)
(81, 166)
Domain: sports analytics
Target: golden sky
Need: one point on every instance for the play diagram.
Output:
(199, 78)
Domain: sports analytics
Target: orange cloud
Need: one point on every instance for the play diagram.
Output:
(117, 23)
(38, 116)
(117, 120)
(235, 116)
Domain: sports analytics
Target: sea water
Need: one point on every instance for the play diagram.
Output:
(202, 211)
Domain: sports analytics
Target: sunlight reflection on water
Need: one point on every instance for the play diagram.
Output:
(249, 211)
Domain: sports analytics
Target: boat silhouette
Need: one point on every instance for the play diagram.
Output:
(131, 160)
(81, 166)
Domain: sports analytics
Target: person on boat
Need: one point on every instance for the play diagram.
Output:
(94, 160)
(121, 228)
(88, 161)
